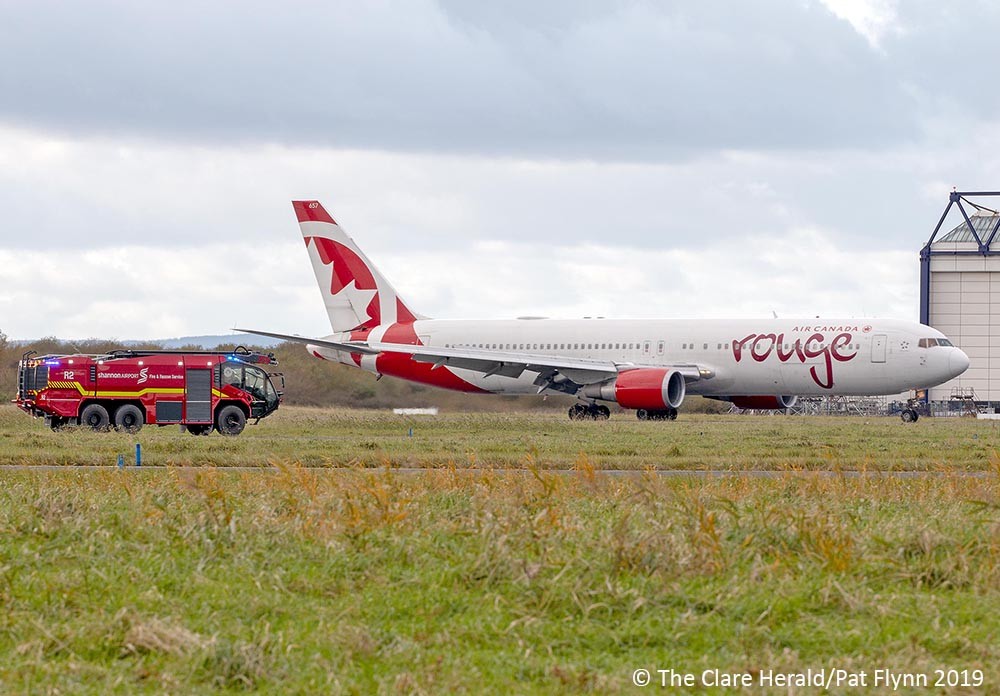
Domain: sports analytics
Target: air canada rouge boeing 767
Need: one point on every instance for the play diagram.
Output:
(645, 365)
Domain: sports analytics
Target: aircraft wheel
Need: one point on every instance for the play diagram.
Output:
(642, 414)
(95, 417)
(128, 418)
(671, 414)
(231, 420)
(908, 415)
(199, 429)
(603, 412)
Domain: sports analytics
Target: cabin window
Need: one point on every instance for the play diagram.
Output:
(659, 347)
(706, 346)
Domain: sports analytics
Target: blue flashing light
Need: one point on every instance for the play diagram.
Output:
(51, 362)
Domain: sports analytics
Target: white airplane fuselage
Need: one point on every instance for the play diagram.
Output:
(803, 357)
(644, 365)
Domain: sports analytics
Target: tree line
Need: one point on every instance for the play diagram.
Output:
(312, 382)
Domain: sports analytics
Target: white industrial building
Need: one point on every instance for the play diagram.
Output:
(960, 296)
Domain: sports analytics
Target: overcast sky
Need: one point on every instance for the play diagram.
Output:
(629, 159)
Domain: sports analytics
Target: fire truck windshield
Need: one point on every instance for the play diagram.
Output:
(252, 380)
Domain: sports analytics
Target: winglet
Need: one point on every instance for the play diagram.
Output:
(312, 211)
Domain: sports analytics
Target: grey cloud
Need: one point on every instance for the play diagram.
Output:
(630, 81)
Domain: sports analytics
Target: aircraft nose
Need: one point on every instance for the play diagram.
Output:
(958, 362)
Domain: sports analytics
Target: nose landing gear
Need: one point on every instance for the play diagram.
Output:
(589, 412)
(909, 415)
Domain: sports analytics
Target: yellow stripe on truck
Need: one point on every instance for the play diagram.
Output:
(109, 394)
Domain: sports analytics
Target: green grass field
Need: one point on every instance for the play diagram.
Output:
(364, 580)
(355, 438)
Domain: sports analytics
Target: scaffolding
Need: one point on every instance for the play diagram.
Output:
(828, 406)
(965, 398)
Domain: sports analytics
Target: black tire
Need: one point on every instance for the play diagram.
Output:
(671, 414)
(916, 416)
(128, 418)
(642, 414)
(603, 412)
(231, 420)
(908, 416)
(95, 417)
(57, 422)
(199, 428)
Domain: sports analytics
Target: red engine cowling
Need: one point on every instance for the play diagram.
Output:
(764, 403)
(650, 388)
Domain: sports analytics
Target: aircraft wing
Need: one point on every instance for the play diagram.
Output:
(347, 347)
(556, 372)
(507, 364)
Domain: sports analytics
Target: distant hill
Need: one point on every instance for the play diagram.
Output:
(205, 342)
(210, 342)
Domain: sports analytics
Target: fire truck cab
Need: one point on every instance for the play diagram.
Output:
(200, 390)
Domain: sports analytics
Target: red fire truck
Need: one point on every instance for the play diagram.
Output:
(200, 390)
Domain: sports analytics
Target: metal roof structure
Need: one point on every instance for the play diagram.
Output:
(984, 225)
(976, 230)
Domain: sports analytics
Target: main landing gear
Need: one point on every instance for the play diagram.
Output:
(665, 414)
(589, 412)
(909, 415)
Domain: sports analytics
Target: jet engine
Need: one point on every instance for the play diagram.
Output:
(652, 389)
(764, 403)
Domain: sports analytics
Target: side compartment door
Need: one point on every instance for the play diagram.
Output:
(878, 348)
(198, 395)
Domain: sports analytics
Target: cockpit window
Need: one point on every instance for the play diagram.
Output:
(932, 342)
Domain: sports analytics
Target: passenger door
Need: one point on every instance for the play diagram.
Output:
(878, 348)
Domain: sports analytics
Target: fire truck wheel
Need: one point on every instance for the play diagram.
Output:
(95, 417)
(231, 420)
(128, 418)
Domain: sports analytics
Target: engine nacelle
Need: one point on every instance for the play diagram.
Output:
(764, 403)
(653, 389)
